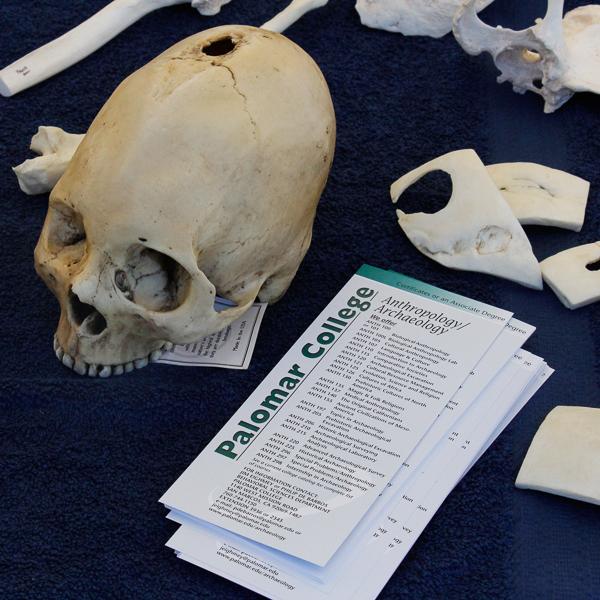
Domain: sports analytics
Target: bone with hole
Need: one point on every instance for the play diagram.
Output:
(199, 176)
(554, 58)
(574, 275)
(476, 231)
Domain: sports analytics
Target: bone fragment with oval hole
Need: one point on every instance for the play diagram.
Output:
(539, 195)
(476, 231)
(554, 58)
(412, 17)
(200, 176)
(56, 147)
(574, 275)
(564, 456)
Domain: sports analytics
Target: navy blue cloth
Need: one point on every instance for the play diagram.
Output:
(84, 461)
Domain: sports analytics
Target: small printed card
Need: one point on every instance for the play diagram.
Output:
(358, 434)
(230, 348)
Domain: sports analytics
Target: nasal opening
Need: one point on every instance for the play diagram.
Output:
(85, 316)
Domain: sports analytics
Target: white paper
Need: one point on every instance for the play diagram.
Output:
(369, 392)
(230, 348)
(362, 574)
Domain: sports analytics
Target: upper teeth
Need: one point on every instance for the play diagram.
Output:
(92, 370)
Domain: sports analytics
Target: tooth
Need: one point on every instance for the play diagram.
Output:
(168, 346)
(105, 371)
(59, 353)
(93, 370)
(128, 367)
(140, 363)
(117, 370)
(80, 367)
(67, 361)
(56, 344)
(156, 355)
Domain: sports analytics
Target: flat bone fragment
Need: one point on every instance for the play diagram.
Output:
(539, 195)
(56, 147)
(476, 230)
(564, 456)
(412, 17)
(554, 58)
(574, 275)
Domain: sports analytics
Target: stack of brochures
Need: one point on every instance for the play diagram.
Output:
(325, 477)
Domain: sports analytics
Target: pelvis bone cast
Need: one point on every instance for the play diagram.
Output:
(200, 176)
(554, 58)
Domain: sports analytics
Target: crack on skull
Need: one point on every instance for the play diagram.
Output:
(242, 96)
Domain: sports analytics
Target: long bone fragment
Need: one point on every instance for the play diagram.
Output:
(100, 28)
(539, 195)
(574, 275)
(412, 17)
(554, 58)
(476, 231)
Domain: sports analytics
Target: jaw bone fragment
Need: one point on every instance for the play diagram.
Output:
(412, 17)
(564, 456)
(476, 231)
(569, 275)
(554, 58)
(539, 195)
(56, 147)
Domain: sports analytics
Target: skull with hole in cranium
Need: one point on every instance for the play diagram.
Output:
(200, 176)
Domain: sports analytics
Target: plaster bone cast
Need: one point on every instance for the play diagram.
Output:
(199, 176)
(564, 456)
(412, 17)
(539, 195)
(100, 28)
(56, 147)
(476, 230)
(574, 275)
(554, 58)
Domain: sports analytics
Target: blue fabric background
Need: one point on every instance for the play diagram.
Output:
(85, 461)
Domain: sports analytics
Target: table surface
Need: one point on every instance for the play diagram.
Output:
(85, 461)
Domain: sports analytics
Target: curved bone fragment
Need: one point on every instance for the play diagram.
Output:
(539, 195)
(412, 17)
(209, 8)
(56, 147)
(564, 456)
(476, 231)
(292, 13)
(574, 275)
(554, 58)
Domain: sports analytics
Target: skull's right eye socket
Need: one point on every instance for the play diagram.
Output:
(65, 227)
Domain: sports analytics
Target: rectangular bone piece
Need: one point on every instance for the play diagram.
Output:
(568, 275)
(539, 195)
(564, 456)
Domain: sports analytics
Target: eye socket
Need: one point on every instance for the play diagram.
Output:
(152, 279)
(65, 227)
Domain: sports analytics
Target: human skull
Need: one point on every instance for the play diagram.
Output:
(199, 176)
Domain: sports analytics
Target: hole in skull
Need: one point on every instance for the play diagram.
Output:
(86, 316)
(65, 227)
(593, 266)
(219, 47)
(153, 279)
(430, 194)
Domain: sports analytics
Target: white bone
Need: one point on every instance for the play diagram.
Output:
(289, 15)
(56, 147)
(564, 455)
(539, 195)
(476, 231)
(200, 176)
(553, 58)
(568, 275)
(412, 17)
(209, 8)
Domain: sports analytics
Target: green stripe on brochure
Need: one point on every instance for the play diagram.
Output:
(409, 284)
